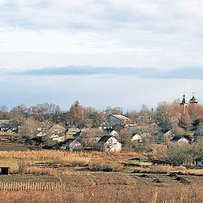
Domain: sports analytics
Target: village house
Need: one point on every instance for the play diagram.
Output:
(114, 133)
(199, 162)
(57, 138)
(136, 137)
(71, 133)
(139, 133)
(41, 134)
(181, 140)
(108, 143)
(111, 132)
(106, 125)
(7, 127)
(163, 137)
(40, 129)
(72, 145)
(119, 120)
(57, 129)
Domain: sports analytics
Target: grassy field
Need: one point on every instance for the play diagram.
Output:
(62, 176)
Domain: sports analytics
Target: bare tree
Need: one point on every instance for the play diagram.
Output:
(115, 110)
(75, 115)
(185, 121)
(167, 115)
(92, 117)
(133, 115)
(46, 111)
(195, 111)
(126, 142)
(18, 113)
(89, 137)
(4, 114)
(29, 128)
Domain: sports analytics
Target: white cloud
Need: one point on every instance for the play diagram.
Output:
(138, 33)
(144, 33)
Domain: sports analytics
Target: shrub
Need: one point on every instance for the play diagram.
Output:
(107, 166)
(22, 164)
(40, 171)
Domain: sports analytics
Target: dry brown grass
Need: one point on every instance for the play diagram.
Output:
(34, 170)
(42, 197)
(87, 187)
(101, 165)
(22, 166)
(144, 194)
(64, 158)
(177, 169)
(100, 194)
(7, 134)
(169, 169)
(16, 160)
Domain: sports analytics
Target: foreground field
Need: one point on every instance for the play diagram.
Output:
(58, 176)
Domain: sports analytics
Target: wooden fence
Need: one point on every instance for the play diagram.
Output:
(31, 186)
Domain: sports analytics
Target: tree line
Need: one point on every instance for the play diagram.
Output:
(167, 115)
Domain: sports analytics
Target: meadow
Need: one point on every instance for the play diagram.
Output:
(63, 176)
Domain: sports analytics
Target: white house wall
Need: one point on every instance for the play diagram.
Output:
(136, 138)
(112, 145)
(183, 141)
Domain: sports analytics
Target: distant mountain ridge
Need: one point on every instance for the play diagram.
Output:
(178, 73)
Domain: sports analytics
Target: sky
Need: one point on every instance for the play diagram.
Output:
(101, 52)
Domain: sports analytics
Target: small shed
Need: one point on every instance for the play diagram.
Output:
(4, 170)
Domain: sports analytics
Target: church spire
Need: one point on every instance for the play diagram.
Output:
(183, 100)
(184, 105)
(193, 100)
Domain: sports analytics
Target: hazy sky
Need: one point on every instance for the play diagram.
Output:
(160, 34)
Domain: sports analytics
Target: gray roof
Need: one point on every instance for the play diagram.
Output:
(68, 141)
(193, 100)
(176, 138)
(105, 138)
(120, 117)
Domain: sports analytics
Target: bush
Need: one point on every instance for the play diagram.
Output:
(40, 171)
(22, 164)
(107, 166)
